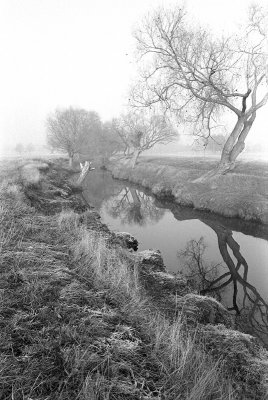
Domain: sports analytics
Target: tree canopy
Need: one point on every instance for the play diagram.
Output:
(197, 76)
(140, 130)
(110, 142)
(73, 130)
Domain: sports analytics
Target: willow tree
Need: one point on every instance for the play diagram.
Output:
(199, 77)
(140, 131)
(74, 130)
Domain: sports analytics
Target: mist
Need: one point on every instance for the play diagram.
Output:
(80, 53)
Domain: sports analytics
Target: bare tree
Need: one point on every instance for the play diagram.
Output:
(197, 76)
(140, 131)
(73, 131)
(213, 144)
(110, 142)
(117, 125)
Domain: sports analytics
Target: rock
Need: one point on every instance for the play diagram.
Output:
(161, 287)
(244, 358)
(151, 260)
(169, 282)
(203, 310)
(127, 240)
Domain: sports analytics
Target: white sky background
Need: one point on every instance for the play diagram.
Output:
(57, 53)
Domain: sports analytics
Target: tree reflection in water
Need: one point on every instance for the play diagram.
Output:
(251, 310)
(132, 206)
(196, 268)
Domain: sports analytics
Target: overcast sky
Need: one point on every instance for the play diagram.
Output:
(57, 53)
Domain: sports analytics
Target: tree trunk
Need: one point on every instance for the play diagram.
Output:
(135, 158)
(135, 197)
(71, 160)
(128, 153)
(84, 171)
(234, 146)
(136, 208)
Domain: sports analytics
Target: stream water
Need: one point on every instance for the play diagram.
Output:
(222, 257)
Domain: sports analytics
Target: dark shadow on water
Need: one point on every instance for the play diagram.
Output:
(249, 307)
(134, 206)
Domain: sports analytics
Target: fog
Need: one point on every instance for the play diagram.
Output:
(57, 53)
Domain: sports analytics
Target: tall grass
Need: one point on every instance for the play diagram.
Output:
(184, 368)
(76, 322)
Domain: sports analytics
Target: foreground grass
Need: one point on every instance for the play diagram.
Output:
(75, 321)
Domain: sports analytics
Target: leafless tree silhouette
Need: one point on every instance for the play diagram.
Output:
(140, 130)
(197, 77)
(251, 309)
(134, 207)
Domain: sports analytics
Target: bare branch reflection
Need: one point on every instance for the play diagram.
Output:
(99, 187)
(199, 273)
(134, 207)
(250, 308)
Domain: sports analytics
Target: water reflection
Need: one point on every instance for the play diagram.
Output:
(133, 207)
(99, 186)
(249, 307)
(130, 205)
(227, 278)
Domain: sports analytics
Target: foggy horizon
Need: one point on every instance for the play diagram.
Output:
(78, 53)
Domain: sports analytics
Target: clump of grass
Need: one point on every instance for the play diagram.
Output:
(68, 219)
(76, 322)
(189, 371)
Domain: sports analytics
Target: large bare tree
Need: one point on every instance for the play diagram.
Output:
(198, 77)
(73, 130)
(140, 130)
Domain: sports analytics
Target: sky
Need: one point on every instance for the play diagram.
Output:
(57, 53)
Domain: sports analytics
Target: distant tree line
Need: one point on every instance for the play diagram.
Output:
(21, 148)
(81, 133)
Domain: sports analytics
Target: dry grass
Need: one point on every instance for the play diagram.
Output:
(241, 193)
(75, 323)
(251, 168)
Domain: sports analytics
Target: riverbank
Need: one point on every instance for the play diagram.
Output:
(83, 317)
(242, 193)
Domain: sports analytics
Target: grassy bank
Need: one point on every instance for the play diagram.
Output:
(77, 320)
(242, 193)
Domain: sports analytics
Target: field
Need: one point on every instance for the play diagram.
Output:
(248, 167)
(77, 321)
